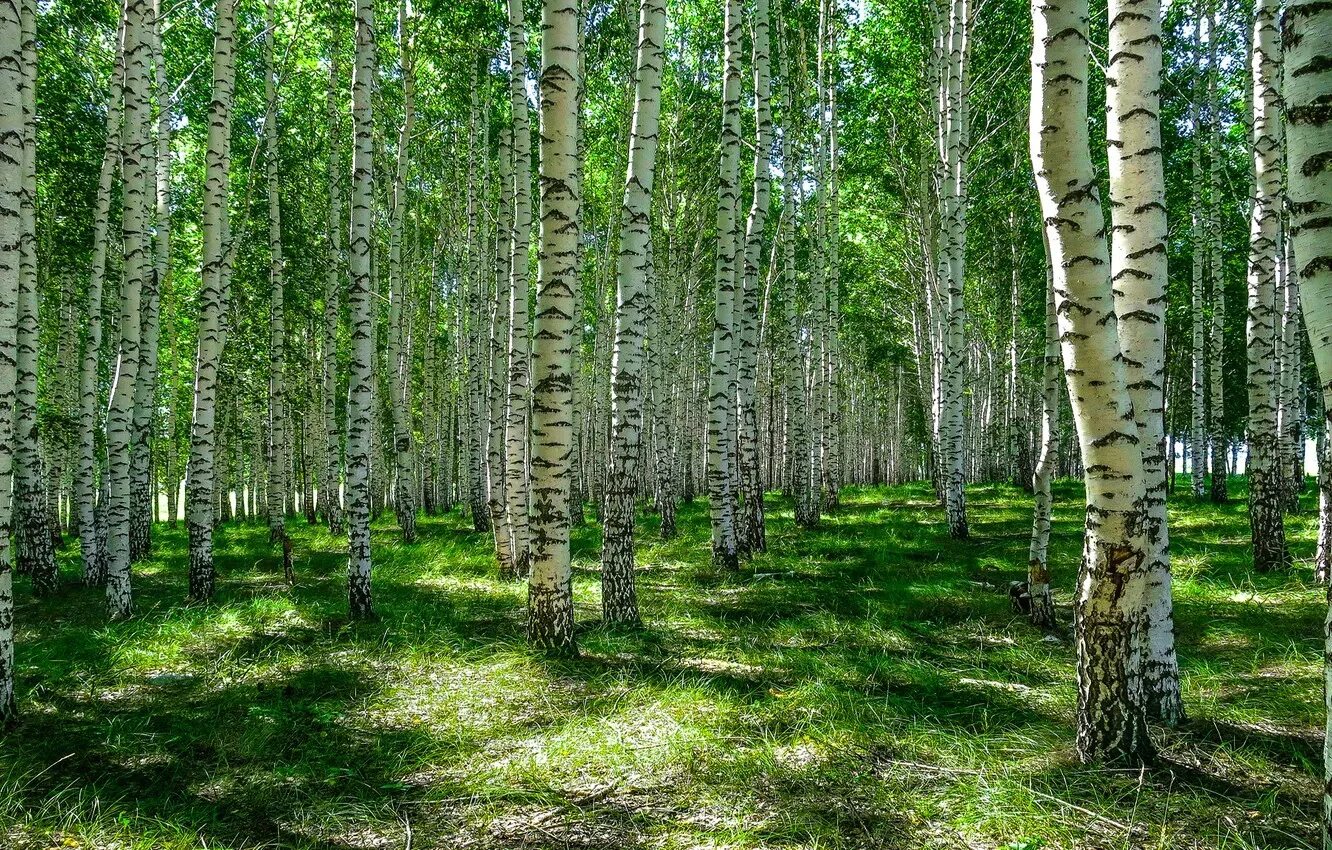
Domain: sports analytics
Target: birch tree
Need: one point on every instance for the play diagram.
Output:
(550, 615)
(751, 521)
(518, 399)
(1111, 721)
(276, 448)
(1138, 278)
(360, 402)
(32, 534)
(12, 132)
(721, 373)
(1266, 519)
(200, 491)
(85, 479)
(633, 296)
(134, 237)
(400, 372)
(1038, 565)
(330, 491)
(1307, 40)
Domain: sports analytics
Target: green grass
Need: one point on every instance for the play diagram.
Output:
(861, 685)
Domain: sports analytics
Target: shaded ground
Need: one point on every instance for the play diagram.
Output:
(862, 685)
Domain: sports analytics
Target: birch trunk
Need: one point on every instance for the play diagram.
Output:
(517, 470)
(952, 264)
(633, 297)
(36, 558)
(199, 492)
(13, 129)
(1220, 491)
(751, 521)
(1138, 277)
(360, 401)
(134, 236)
(1198, 250)
(1266, 519)
(330, 490)
(550, 614)
(276, 448)
(721, 373)
(85, 479)
(1038, 566)
(400, 371)
(1307, 39)
(497, 376)
(1110, 717)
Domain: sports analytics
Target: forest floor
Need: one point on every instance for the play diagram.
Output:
(865, 684)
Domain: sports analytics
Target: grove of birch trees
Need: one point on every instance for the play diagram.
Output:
(557, 266)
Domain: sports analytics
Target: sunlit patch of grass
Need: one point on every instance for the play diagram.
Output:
(864, 683)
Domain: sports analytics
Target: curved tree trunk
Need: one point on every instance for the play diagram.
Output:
(1110, 717)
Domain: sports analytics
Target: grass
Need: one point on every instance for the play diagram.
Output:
(861, 685)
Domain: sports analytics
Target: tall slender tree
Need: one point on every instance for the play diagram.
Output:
(518, 399)
(1307, 41)
(12, 131)
(1266, 519)
(360, 402)
(200, 494)
(722, 372)
(550, 614)
(1138, 279)
(633, 296)
(134, 162)
(1111, 719)
(400, 372)
(35, 555)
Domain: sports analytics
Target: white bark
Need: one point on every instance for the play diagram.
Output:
(35, 555)
(1138, 277)
(134, 237)
(633, 295)
(722, 373)
(360, 245)
(1307, 39)
(276, 450)
(12, 131)
(85, 479)
(550, 615)
(1110, 717)
(1038, 565)
(200, 488)
(400, 368)
(330, 483)
(751, 530)
(518, 399)
(1266, 519)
